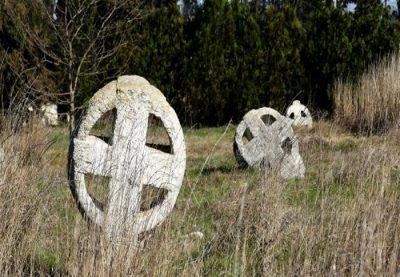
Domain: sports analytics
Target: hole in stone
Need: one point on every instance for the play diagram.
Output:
(157, 136)
(303, 114)
(98, 189)
(151, 197)
(287, 146)
(103, 129)
(247, 136)
(291, 116)
(268, 119)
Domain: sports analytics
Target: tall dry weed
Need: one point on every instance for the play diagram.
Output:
(22, 192)
(341, 219)
(372, 103)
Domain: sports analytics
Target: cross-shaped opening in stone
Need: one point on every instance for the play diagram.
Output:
(104, 127)
(98, 189)
(247, 136)
(303, 114)
(268, 119)
(157, 136)
(151, 197)
(286, 146)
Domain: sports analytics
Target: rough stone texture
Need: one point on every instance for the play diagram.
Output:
(299, 114)
(253, 128)
(268, 133)
(50, 115)
(291, 165)
(1, 155)
(127, 161)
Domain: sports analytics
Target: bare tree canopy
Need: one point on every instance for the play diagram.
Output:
(71, 43)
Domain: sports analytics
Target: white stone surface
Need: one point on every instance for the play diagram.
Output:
(299, 114)
(196, 234)
(49, 114)
(1, 155)
(267, 131)
(128, 162)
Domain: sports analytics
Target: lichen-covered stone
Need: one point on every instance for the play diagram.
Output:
(127, 160)
(271, 143)
(299, 114)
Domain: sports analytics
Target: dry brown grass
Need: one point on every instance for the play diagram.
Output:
(22, 192)
(342, 219)
(373, 103)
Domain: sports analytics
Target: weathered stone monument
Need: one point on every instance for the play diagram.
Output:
(129, 163)
(49, 114)
(299, 114)
(1, 155)
(265, 138)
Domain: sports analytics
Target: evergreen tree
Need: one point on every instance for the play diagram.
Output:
(373, 34)
(208, 68)
(246, 64)
(163, 48)
(213, 61)
(328, 51)
(283, 72)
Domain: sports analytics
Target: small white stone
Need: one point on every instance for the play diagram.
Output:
(299, 114)
(49, 113)
(196, 234)
(128, 161)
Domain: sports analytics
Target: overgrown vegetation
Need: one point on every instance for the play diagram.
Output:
(213, 61)
(341, 219)
(372, 103)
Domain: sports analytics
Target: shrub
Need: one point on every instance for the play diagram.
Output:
(371, 104)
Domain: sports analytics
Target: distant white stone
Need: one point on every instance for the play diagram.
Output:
(265, 138)
(49, 114)
(127, 161)
(299, 114)
(196, 234)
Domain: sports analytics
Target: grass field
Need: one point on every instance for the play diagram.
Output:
(341, 219)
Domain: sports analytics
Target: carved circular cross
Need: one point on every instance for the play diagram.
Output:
(299, 114)
(265, 138)
(127, 160)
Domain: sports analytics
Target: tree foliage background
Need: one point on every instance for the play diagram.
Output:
(213, 61)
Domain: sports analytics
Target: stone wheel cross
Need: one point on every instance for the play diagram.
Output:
(271, 143)
(127, 160)
(299, 114)
(253, 128)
